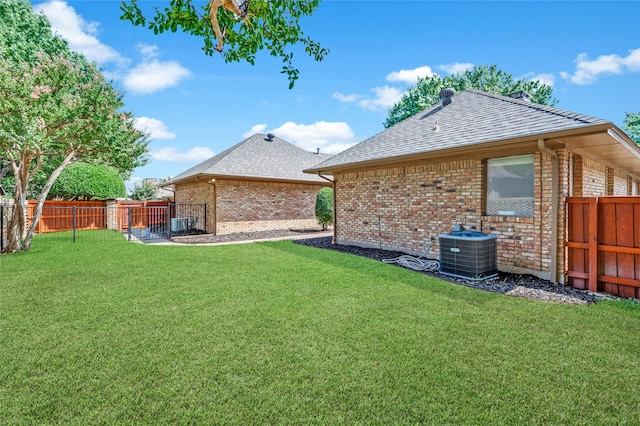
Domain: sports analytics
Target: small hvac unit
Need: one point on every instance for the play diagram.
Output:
(468, 254)
(179, 224)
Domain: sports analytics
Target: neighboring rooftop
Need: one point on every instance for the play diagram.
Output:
(261, 156)
(470, 119)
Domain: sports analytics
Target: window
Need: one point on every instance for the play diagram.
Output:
(510, 186)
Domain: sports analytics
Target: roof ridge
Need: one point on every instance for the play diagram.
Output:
(538, 107)
(212, 161)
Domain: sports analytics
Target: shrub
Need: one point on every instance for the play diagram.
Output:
(324, 207)
(84, 181)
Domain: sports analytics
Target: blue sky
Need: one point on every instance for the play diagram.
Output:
(194, 106)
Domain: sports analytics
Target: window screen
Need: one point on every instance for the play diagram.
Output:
(510, 186)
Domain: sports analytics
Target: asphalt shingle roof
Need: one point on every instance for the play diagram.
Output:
(474, 117)
(256, 157)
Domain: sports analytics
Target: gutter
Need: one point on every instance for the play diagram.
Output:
(554, 208)
(629, 144)
(333, 184)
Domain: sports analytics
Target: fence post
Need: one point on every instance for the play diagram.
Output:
(1, 228)
(593, 244)
(75, 218)
(167, 220)
(204, 206)
(129, 223)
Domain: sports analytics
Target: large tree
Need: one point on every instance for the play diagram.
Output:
(237, 29)
(632, 126)
(488, 78)
(23, 35)
(58, 109)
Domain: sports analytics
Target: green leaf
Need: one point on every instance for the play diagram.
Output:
(270, 24)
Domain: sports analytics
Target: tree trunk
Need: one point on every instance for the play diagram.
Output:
(18, 219)
(42, 198)
(16, 225)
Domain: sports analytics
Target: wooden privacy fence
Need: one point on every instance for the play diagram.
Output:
(58, 216)
(603, 244)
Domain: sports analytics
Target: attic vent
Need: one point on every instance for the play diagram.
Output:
(446, 96)
(522, 95)
(269, 137)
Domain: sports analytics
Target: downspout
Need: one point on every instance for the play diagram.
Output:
(333, 184)
(212, 182)
(554, 208)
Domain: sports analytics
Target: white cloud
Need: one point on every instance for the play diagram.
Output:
(156, 129)
(588, 70)
(171, 154)
(548, 79)
(632, 61)
(152, 76)
(410, 76)
(81, 35)
(148, 50)
(330, 137)
(456, 68)
(346, 98)
(385, 97)
(258, 128)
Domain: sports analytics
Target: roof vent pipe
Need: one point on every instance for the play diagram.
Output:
(446, 96)
(269, 137)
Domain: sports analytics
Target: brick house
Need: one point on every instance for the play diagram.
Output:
(255, 185)
(496, 164)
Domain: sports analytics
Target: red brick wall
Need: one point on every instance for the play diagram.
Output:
(198, 193)
(620, 183)
(244, 206)
(594, 179)
(403, 208)
(247, 206)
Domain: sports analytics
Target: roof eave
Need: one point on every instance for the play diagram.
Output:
(525, 143)
(202, 177)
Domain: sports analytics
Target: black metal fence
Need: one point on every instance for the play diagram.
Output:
(163, 222)
(135, 223)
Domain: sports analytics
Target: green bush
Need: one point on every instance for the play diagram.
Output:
(324, 207)
(84, 181)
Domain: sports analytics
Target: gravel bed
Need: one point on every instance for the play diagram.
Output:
(527, 286)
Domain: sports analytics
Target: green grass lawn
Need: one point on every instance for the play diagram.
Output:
(111, 332)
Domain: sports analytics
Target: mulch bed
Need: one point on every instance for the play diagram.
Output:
(504, 283)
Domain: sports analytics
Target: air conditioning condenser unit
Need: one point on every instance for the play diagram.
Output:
(471, 255)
